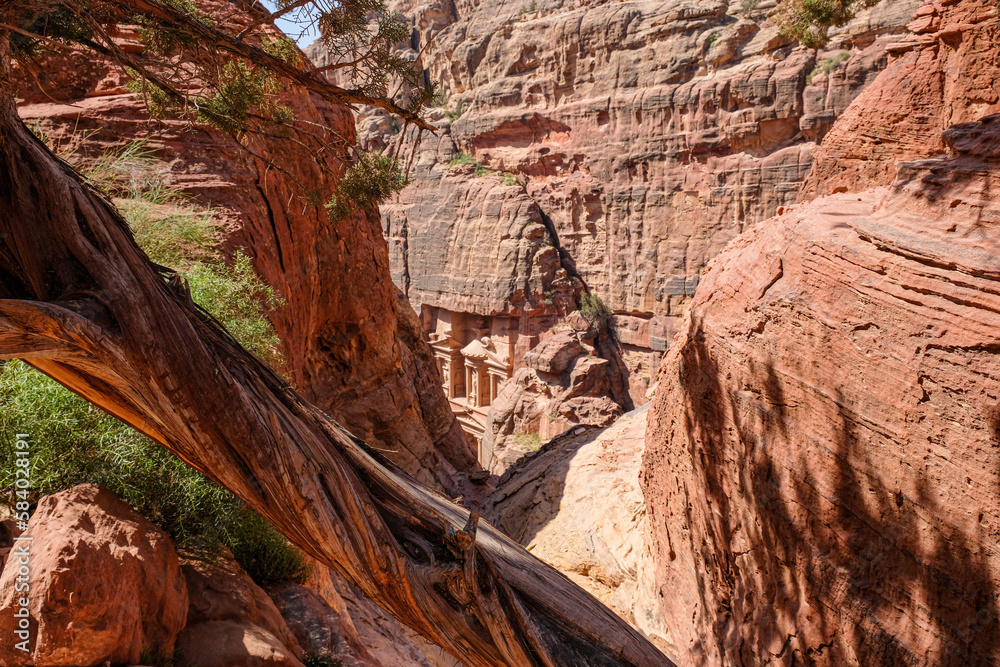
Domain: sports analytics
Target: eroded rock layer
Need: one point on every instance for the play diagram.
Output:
(617, 144)
(823, 451)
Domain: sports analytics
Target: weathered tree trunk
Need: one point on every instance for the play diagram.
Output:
(82, 303)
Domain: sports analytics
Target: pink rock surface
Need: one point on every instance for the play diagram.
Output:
(823, 449)
(643, 136)
(946, 75)
(105, 584)
(219, 590)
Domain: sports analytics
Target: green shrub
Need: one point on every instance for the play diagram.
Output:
(234, 295)
(593, 309)
(171, 236)
(479, 169)
(462, 158)
(508, 178)
(456, 113)
(828, 65)
(809, 21)
(73, 442)
(529, 441)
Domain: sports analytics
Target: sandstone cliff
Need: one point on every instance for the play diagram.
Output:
(822, 456)
(620, 144)
(348, 346)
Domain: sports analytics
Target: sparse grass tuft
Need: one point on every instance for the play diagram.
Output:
(479, 169)
(529, 441)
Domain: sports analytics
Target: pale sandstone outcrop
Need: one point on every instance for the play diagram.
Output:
(822, 453)
(577, 505)
(105, 584)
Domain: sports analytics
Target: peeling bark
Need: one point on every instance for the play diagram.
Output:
(82, 303)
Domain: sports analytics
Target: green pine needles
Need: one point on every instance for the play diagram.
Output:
(370, 181)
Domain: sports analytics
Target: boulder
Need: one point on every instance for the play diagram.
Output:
(226, 603)
(105, 584)
(564, 386)
(320, 628)
(232, 644)
(554, 354)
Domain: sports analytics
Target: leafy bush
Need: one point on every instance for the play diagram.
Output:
(479, 169)
(508, 178)
(529, 441)
(828, 65)
(809, 21)
(235, 295)
(171, 236)
(462, 158)
(593, 309)
(456, 113)
(74, 442)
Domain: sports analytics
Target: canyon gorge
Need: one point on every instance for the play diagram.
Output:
(702, 318)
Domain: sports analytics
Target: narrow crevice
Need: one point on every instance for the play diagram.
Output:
(405, 236)
(274, 227)
(564, 257)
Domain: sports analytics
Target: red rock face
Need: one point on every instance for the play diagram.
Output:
(105, 584)
(823, 450)
(645, 136)
(944, 72)
(348, 348)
